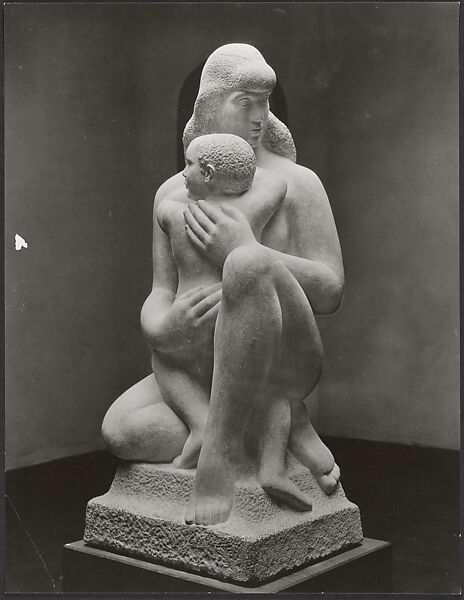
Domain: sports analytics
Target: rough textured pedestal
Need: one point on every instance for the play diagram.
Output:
(142, 515)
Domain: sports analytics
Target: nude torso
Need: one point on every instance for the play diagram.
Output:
(273, 219)
(259, 205)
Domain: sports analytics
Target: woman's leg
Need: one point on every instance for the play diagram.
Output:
(248, 342)
(246, 339)
(139, 426)
(295, 375)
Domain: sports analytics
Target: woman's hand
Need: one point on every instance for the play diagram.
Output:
(217, 230)
(190, 319)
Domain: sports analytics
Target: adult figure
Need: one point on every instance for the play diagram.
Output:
(266, 342)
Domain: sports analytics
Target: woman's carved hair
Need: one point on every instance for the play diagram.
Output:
(232, 67)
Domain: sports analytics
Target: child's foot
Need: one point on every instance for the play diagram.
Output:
(188, 459)
(328, 482)
(281, 488)
(310, 450)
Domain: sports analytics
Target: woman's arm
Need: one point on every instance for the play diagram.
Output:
(323, 288)
(312, 253)
(311, 250)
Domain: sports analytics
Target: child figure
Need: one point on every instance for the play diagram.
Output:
(220, 172)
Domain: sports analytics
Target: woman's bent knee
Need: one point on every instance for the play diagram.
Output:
(113, 437)
(247, 267)
(150, 434)
(117, 434)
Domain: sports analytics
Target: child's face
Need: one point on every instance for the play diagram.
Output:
(194, 176)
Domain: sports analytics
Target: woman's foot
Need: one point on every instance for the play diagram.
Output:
(208, 510)
(213, 495)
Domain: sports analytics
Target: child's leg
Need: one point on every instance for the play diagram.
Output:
(310, 450)
(272, 470)
(189, 400)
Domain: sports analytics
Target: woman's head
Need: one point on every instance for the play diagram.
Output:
(235, 86)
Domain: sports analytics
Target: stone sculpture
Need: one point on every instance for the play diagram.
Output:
(245, 253)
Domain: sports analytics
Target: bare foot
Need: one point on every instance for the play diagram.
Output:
(282, 488)
(208, 510)
(213, 495)
(329, 481)
(310, 450)
(188, 459)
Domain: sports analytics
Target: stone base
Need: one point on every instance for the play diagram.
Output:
(142, 516)
(366, 568)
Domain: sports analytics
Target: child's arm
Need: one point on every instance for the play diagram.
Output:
(164, 285)
(162, 216)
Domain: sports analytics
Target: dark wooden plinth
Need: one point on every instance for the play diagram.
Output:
(365, 568)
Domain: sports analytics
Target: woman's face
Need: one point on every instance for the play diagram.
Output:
(243, 113)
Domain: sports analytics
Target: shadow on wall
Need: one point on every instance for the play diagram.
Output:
(187, 97)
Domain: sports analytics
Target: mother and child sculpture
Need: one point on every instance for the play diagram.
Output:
(240, 267)
(245, 254)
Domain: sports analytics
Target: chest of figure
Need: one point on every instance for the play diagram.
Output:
(258, 212)
(277, 233)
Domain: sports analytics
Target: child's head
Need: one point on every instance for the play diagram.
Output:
(218, 162)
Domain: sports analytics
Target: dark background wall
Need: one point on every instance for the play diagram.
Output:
(91, 95)
(392, 172)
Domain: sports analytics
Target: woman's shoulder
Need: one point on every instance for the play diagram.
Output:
(302, 181)
(270, 179)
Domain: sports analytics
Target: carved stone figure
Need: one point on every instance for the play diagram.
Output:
(238, 277)
(245, 253)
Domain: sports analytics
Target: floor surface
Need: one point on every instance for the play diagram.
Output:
(407, 495)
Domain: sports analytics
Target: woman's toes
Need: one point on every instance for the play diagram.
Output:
(225, 509)
(190, 514)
